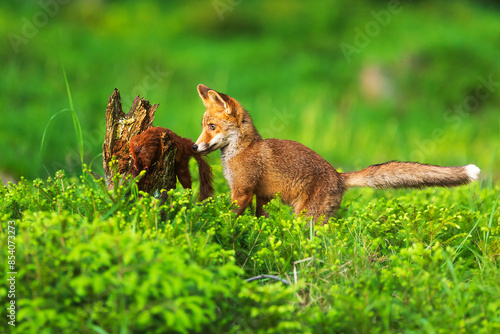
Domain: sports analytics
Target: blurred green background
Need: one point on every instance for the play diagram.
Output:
(359, 82)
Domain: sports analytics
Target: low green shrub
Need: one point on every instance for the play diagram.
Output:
(77, 275)
(90, 260)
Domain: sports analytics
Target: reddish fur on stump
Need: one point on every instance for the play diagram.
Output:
(147, 148)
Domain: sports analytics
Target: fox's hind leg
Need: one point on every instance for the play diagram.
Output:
(321, 205)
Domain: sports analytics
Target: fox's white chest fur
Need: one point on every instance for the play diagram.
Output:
(228, 173)
(227, 154)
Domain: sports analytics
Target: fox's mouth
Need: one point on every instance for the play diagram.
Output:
(204, 148)
(210, 149)
(218, 142)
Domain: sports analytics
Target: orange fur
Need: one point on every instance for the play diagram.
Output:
(306, 181)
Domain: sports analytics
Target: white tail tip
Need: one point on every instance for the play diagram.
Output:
(472, 172)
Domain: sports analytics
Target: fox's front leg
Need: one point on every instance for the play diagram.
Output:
(242, 199)
(259, 211)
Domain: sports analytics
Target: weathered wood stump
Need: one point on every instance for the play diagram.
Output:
(120, 128)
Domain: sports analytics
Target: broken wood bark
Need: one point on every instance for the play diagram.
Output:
(120, 128)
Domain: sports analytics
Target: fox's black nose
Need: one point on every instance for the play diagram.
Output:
(195, 147)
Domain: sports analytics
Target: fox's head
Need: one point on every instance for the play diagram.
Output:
(223, 122)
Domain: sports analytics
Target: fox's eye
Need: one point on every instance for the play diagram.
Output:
(212, 126)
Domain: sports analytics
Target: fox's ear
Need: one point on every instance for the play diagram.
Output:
(211, 97)
(203, 92)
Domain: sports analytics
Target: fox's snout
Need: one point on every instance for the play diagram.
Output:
(208, 141)
(201, 146)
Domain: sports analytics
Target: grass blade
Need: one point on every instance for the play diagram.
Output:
(76, 122)
(47, 126)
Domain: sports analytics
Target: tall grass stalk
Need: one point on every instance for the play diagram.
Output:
(76, 122)
(487, 233)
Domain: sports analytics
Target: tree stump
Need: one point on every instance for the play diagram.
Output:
(120, 128)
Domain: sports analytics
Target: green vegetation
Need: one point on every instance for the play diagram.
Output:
(359, 83)
(408, 94)
(93, 261)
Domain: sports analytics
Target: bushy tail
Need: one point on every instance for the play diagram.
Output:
(205, 172)
(410, 175)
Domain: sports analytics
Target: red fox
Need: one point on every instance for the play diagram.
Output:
(146, 149)
(306, 181)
